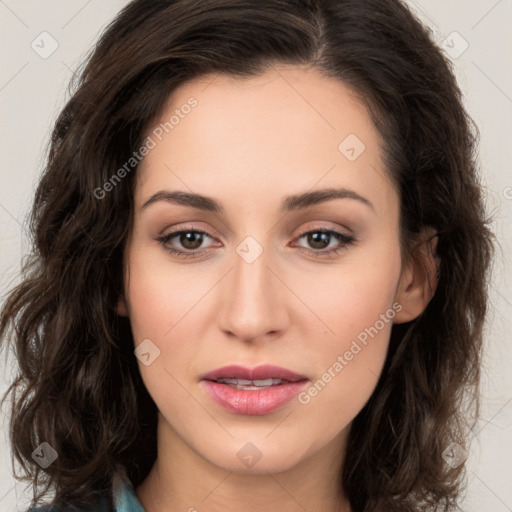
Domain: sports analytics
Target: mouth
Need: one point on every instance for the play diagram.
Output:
(253, 385)
(259, 376)
(255, 391)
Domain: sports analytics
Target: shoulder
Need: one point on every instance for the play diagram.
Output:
(53, 508)
(101, 507)
(123, 497)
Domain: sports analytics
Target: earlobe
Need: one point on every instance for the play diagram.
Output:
(419, 278)
(121, 308)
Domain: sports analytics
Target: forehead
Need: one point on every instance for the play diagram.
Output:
(289, 129)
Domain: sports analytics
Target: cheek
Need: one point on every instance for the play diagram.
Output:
(358, 308)
(348, 374)
(160, 296)
(351, 298)
(159, 302)
(164, 300)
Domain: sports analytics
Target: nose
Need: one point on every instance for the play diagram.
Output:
(253, 299)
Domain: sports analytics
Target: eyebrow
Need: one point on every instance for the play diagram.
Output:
(290, 203)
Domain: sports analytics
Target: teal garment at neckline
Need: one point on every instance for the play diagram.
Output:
(124, 498)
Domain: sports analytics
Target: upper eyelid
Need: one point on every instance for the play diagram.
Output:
(316, 228)
(207, 232)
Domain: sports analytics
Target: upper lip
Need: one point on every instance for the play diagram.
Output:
(266, 371)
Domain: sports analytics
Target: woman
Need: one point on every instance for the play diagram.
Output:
(260, 265)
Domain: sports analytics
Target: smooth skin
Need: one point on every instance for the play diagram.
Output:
(250, 143)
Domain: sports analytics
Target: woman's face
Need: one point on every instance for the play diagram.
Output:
(256, 289)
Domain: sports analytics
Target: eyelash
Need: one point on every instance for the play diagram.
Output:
(345, 240)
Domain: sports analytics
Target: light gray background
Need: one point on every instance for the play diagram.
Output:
(33, 90)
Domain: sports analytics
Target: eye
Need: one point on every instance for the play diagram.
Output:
(321, 238)
(190, 239)
(318, 239)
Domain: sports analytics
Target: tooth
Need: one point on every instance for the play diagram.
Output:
(265, 382)
(228, 381)
(243, 382)
(250, 384)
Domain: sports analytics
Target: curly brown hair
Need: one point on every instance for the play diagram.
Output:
(78, 386)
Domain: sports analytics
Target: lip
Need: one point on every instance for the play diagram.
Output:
(253, 401)
(265, 371)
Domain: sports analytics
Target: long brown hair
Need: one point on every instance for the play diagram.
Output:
(78, 387)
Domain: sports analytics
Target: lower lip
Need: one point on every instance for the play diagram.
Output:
(253, 401)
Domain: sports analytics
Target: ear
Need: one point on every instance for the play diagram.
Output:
(418, 281)
(122, 308)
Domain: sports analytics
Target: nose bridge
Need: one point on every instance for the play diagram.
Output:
(252, 300)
